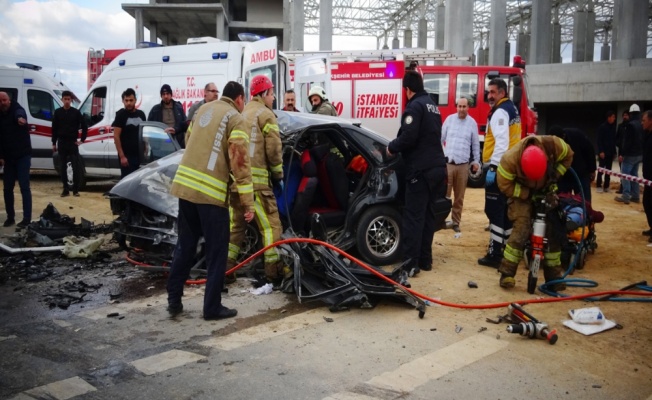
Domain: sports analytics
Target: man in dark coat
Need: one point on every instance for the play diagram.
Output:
(606, 138)
(583, 161)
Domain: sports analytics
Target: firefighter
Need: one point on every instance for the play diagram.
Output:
(528, 170)
(419, 142)
(265, 151)
(503, 132)
(217, 153)
(320, 103)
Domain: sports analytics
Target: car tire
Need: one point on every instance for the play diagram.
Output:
(476, 182)
(378, 235)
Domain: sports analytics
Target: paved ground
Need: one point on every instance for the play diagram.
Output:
(278, 348)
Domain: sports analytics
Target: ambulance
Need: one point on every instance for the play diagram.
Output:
(371, 90)
(186, 68)
(39, 94)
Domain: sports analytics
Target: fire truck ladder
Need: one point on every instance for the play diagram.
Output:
(380, 55)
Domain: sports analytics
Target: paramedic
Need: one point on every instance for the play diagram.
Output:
(266, 156)
(503, 132)
(419, 142)
(528, 170)
(216, 155)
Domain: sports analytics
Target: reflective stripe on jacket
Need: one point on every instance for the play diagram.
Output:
(513, 131)
(218, 147)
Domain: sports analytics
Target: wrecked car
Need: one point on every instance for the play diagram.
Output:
(351, 194)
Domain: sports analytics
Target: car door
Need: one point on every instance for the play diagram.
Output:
(154, 143)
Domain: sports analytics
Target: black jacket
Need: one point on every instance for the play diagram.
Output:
(647, 155)
(419, 137)
(66, 124)
(606, 138)
(633, 137)
(15, 141)
(156, 114)
(583, 152)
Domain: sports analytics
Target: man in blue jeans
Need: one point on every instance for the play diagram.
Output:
(631, 155)
(16, 157)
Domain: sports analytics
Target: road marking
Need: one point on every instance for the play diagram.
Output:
(3, 338)
(123, 308)
(164, 361)
(269, 330)
(349, 396)
(432, 366)
(62, 390)
(62, 323)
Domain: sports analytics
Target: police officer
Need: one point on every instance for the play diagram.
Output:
(218, 149)
(265, 151)
(504, 131)
(419, 142)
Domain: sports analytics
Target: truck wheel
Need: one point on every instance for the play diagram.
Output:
(378, 235)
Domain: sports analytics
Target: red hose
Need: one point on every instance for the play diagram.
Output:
(415, 293)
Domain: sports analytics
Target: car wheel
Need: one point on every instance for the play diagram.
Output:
(378, 235)
(476, 182)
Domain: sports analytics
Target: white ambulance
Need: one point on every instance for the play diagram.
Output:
(187, 69)
(39, 95)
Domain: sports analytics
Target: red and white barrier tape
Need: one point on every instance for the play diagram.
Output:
(641, 181)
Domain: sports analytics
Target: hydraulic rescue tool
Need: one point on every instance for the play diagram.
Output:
(537, 245)
(525, 324)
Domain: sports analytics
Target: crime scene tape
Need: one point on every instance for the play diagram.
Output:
(641, 181)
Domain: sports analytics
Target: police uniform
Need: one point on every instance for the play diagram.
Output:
(266, 155)
(504, 131)
(419, 142)
(519, 190)
(219, 146)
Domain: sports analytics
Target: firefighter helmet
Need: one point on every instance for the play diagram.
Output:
(634, 108)
(534, 162)
(317, 91)
(259, 84)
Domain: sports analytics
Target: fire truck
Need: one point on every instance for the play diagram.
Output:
(366, 85)
(97, 60)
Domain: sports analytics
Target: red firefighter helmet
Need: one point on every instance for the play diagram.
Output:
(259, 84)
(534, 162)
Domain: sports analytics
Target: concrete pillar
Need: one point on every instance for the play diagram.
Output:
(541, 32)
(458, 38)
(556, 43)
(407, 38)
(153, 37)
(579, 36)
(589, 49)
(479, 59)
(605, 52)
(296, 42)
(629, 35)
(523, 46)
(140, 32)
(396, 44)
(498, 33)
(508, 55)
(326, 25)
(486, 56)
(220, 29)
(422, 34)
(165, 38)
(287, 29)
(440, 26)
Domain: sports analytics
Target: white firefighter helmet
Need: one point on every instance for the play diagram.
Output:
(319, 91)
(634, 108)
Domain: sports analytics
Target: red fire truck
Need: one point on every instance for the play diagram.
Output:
(97, 60)
(371, 91)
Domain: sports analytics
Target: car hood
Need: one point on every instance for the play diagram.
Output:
(150, 185)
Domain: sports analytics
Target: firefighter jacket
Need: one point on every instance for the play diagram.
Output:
(503, 131)
(265, 149)
(217, 151)
(513, 183)
(325, 108)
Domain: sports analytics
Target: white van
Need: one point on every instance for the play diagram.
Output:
(187, 69)
(39, 95)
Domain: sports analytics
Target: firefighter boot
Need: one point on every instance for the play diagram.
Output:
(274, 274)
(230, 278)
(507, 271)
(494, 255)
(552, 274)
